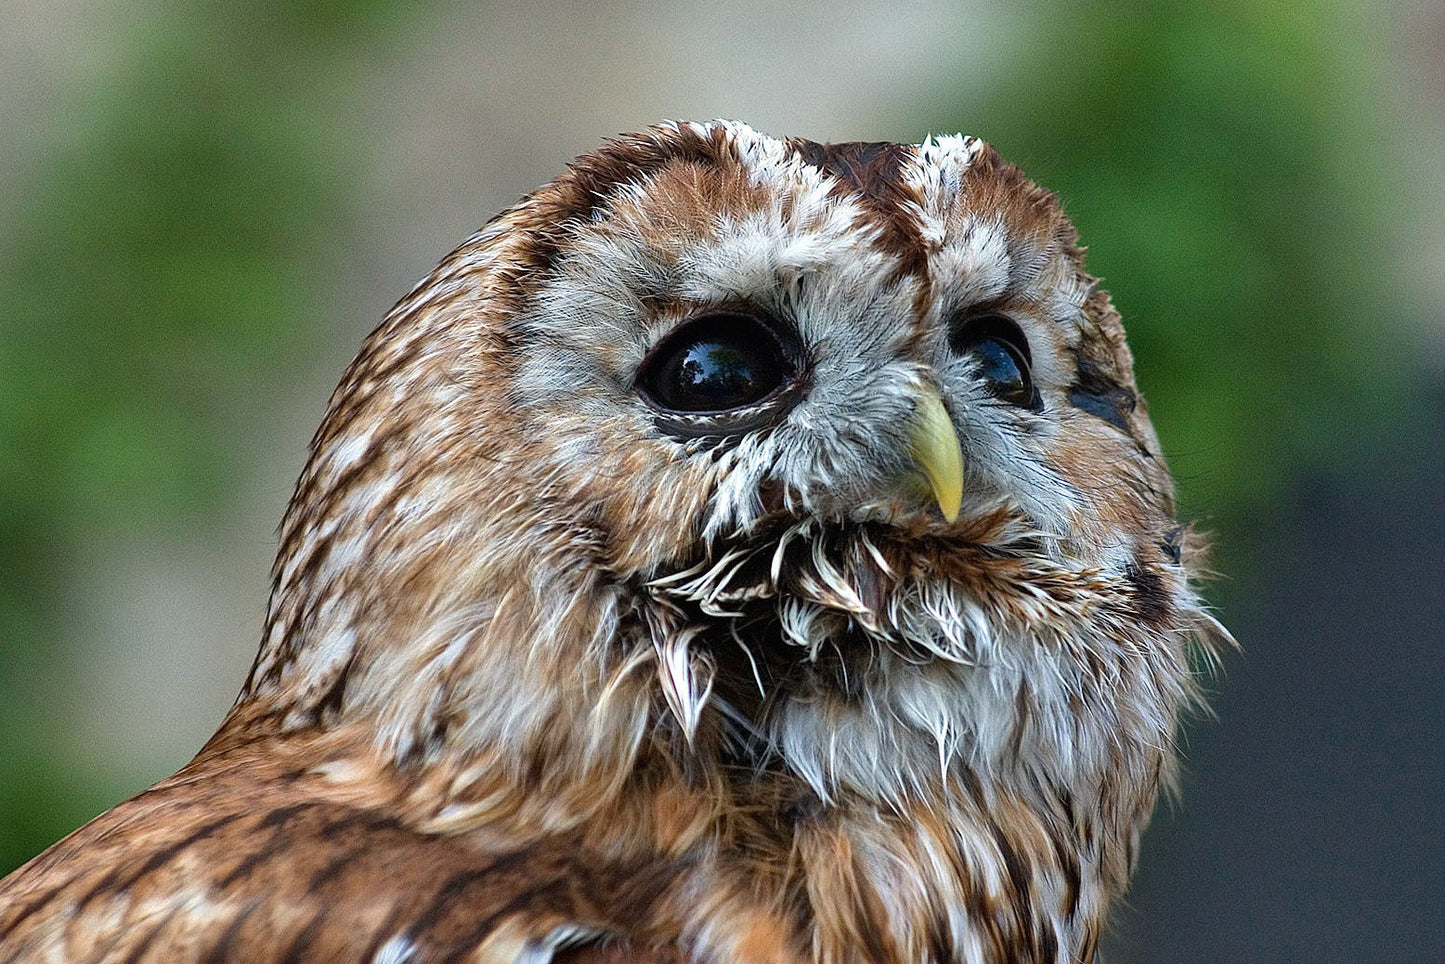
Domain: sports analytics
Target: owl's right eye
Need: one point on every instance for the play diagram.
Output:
(717, 364)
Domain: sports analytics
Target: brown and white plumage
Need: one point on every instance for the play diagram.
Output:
(562, 663)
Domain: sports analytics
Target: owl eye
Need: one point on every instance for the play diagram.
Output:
(716, 364)
(1000, 350)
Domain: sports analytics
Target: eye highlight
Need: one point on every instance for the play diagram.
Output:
(1000, 352)
(717, 364)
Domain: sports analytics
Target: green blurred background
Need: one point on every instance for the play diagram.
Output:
(205, 206)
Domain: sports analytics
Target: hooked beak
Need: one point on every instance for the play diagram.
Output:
(934, 447)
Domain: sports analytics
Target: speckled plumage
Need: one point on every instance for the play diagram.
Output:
(550, 673)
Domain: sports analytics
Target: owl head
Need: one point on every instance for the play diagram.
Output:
(744, 456)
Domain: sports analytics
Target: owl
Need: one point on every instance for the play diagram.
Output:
(741, 550)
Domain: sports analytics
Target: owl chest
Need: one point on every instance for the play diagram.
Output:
(921, 886)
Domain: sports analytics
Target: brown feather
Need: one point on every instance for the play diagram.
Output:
(545, 679)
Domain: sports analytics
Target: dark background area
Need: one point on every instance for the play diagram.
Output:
(1310, 827)
(205, 206)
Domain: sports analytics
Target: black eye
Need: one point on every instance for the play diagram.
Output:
(1001, 352)
(714, 364)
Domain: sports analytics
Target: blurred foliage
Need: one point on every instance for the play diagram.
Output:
(166, 266)
(1226, 165)
(162, 273)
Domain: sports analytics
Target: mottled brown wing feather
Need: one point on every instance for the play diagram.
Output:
(237, 867)
(617, 954)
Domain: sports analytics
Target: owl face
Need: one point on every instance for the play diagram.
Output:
(765, 335)
(826, 458)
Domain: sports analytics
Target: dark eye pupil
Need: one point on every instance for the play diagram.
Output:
(717, 375)
(716, 364)
(999, 364)
(1000, 351)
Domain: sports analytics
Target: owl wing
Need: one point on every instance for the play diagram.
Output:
(232, 868)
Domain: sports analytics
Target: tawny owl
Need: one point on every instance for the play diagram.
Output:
(741, 549)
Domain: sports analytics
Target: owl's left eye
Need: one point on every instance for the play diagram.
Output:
(716, 364)
(1000, 351)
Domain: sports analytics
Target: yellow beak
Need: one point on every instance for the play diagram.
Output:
(936, 450)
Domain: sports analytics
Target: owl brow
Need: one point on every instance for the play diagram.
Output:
(593, 180)
(872, 172)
